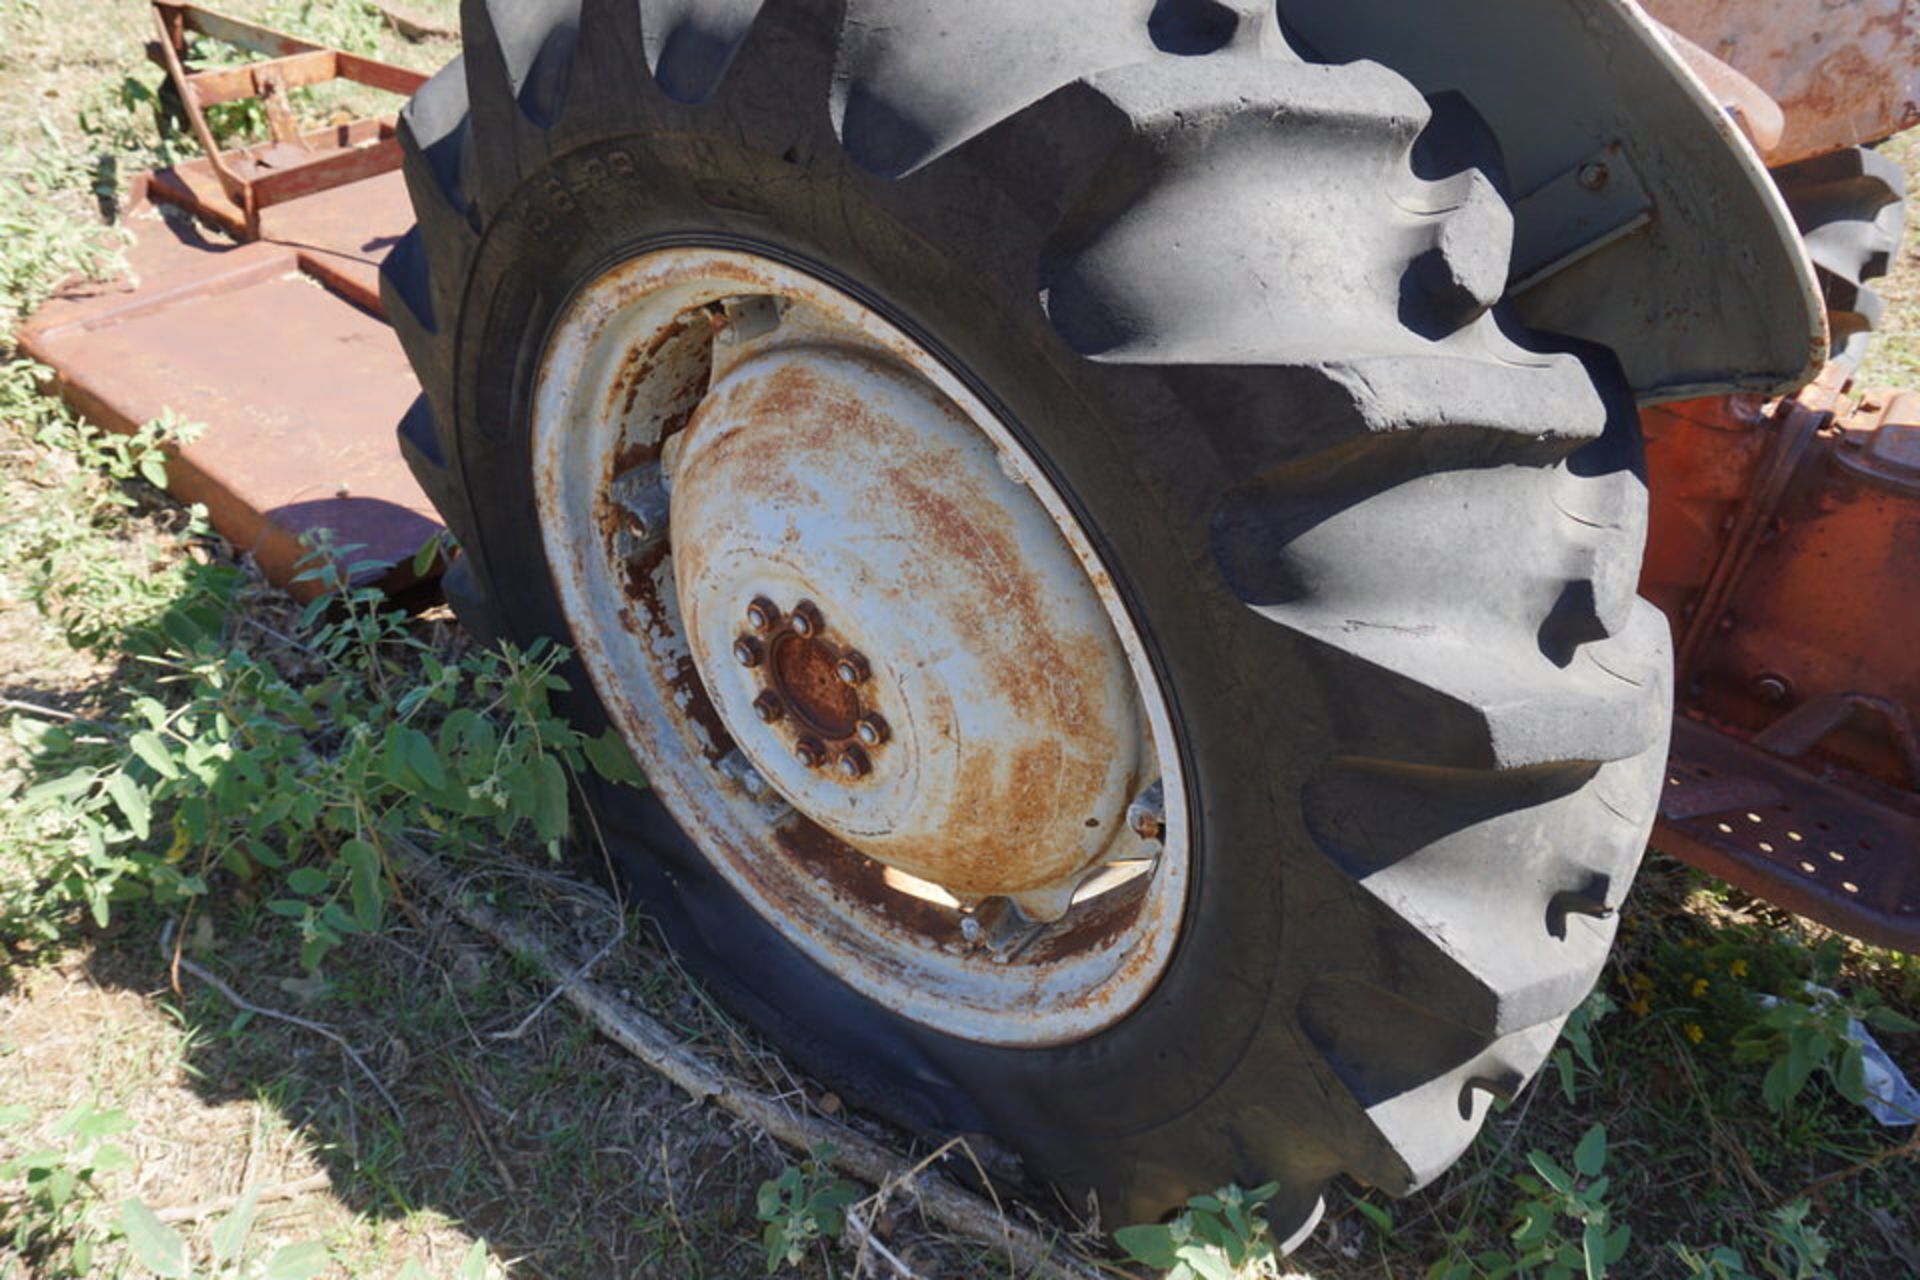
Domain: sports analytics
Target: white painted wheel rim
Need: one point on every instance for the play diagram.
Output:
(642, 380)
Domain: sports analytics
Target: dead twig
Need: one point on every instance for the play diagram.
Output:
(633, 1030)
(266, 1195)
(239, 1001)
(1911, 1147)
(409, 27)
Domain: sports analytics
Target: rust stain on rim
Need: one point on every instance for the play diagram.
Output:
(645, 356)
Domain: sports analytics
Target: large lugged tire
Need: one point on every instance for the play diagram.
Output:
(1850, 207)
(1237, 316)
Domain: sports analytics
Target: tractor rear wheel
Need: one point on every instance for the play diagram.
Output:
(1135, 654)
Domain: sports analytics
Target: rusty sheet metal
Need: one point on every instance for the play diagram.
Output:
(1845, 72)
(1812, 840)
(298, 388)
(1751, 107)
(234, 188)
(1785, 541)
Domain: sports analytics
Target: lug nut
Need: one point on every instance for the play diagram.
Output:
(806, 619)
(747, 651)
(854, 763)
(1772, 688)
(769, 707)
(852, 667)
(1147, 815)
(763, 614)
(872, 730)
(810, 752)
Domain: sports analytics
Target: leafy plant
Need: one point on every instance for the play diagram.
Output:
(804, 1203)
(164, 1251)
(287, 758)
(1574, 1058)
(45, 1212)
(1562, 1228)
(1792, 1248)
(1813, 1032)
(1222, 1236)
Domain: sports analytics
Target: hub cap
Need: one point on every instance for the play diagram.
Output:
(862, 649)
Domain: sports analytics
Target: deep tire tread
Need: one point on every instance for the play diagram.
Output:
(1531, 681)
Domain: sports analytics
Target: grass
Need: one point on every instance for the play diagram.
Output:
(486, 1126)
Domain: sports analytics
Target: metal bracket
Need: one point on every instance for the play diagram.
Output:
(1577, 214)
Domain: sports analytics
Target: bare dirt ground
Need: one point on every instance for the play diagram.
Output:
(507, 1120)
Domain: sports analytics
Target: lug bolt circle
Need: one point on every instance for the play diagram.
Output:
(748, 652)
(806, 619)
(769, 707)
(852, 667)
(854, 763)
(763, 614)
(810, 752)
(872, 730)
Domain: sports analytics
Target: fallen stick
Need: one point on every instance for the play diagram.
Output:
(855, 1154)
(409, 27)
(221, 1204)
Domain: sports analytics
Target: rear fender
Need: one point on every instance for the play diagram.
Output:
(1644, 220)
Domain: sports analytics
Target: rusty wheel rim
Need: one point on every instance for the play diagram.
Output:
(841, 615)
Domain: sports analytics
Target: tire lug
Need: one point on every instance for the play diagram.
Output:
(872, 730)
(807, 620)
(852, 667)
(768, 707)
(854, 763)
(810, 752)
(748, 652)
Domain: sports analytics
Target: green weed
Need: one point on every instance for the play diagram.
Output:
(289, 761)
(1791, 1248)
(1222, 1236)
(1562, 1226)
(802, 1204)
(166, 1253)
(48, 1195)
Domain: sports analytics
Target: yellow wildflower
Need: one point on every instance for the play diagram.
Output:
(1639, 1006)
(1738, 968)
(1694, 1033)
(1699, 987)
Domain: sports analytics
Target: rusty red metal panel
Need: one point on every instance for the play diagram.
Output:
(298, 386)
(1845, 72)
(1806, 837)
(1785, 541)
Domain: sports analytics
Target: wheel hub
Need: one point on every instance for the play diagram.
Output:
(852, 555)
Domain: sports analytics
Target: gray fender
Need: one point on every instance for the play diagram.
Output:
(1643, 219)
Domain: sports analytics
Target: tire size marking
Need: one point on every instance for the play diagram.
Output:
(554, 197)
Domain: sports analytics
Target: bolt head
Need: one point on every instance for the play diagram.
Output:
(852, 667)
(769, 707)
(1772, 688)
(810, 752)
(872, 730)
(763, 614)
(806, 619)
(748, 652)
(1594, 176)
(854, 763)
